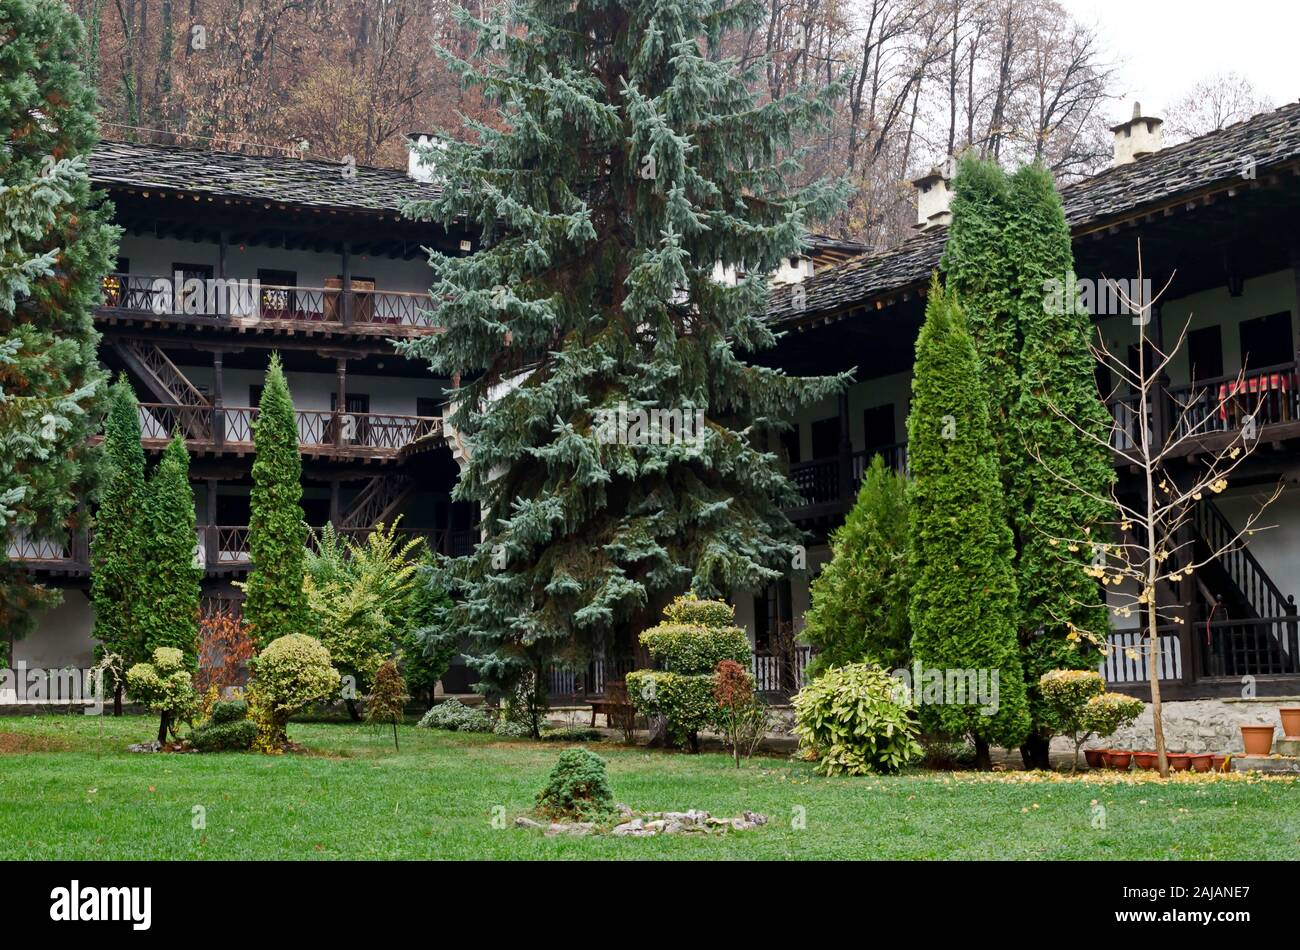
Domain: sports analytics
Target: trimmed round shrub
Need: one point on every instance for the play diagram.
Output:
(578, 788)
(1106, 714)
(851, 721)
(165, 686)
(229, 710)
(237, 736)
(694, 638)
(291, 673)
(455, 716)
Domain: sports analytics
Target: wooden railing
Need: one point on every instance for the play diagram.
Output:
(1254, 647)
(1126, 656)
(590, 679)
(1228, 403)
(319, 430)
(819, 481)
(138, 294)
(768, 673)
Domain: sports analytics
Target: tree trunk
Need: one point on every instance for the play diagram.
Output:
(983, 761)
(352, 709)
(658, 733)
(1036, 752)
(163, 722)
(117, 700)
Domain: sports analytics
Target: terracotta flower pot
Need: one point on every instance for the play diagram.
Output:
(1179, 761)
(1119, 760)
(1144, 760)
(1202, 762)
(1094, 758)
(1258, 740)
(1290, 721)
(1219, 763)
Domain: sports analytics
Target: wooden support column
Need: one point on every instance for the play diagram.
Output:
(336, 510)
(340, 399)
(213, 546)
(846, 448)
(218, 400)
(1160, 415)
(347, 286)
(222, 248)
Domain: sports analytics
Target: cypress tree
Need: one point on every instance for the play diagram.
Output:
(859, 600)
(118, 565)
(171, 587)
(964, 592)
(1008, 240)
(630, 159)
(55, 244)
(275, 604)
(1063, 614)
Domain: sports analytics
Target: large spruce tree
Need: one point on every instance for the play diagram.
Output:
(1007, 245)
(170, 590)
(119, 566)
(630, 161)
(55, 244)
(275, 604)
(963, 603)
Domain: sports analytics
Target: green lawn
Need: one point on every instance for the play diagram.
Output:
(68, 789)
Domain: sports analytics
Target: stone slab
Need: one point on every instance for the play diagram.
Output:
(1261, 763)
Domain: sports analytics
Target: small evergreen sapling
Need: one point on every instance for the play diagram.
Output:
(387, 698)
(577, 788)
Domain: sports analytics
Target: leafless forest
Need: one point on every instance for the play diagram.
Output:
(922, 79)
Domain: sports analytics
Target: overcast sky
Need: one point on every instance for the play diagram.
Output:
(1163, 47)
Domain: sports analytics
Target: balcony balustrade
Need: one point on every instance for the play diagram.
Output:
(362, 309)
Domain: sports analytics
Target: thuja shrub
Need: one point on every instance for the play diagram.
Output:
(291, 673)
(854, 720)
(578, 788)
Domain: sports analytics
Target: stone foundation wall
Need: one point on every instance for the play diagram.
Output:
(1201, 725)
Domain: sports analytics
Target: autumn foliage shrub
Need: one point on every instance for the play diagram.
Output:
(224, 649)
(742, 716)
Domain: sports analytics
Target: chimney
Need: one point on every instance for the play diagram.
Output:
(420, 149)
(1140, 136)
(933, 199)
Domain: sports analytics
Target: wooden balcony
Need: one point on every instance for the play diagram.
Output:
(830, 485)
(218, 430)
(278, 310)
(1212, 412)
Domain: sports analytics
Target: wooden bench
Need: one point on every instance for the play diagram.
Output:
(615, 705)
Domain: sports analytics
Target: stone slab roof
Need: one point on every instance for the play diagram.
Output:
(1268, 139)
(254, 178)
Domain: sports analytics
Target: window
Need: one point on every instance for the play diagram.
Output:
(826, 438)
(790, 442)
(1266, 341)
(278, 301)
(1205, 353)
(878, 427)
(255, 394)
(428, 406)
(771, 607)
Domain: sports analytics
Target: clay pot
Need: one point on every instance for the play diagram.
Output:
(1094, 758)
(1258, 740)
(1202, 762)
(1179, 761)
(1219, 763)
(1145, 760)
(1117, 759)
(1290, 721)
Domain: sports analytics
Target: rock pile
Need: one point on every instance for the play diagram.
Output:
(695, 821)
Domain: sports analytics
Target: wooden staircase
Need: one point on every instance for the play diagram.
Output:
(378, 502)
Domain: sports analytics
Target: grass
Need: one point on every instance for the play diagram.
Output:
(70, 790)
